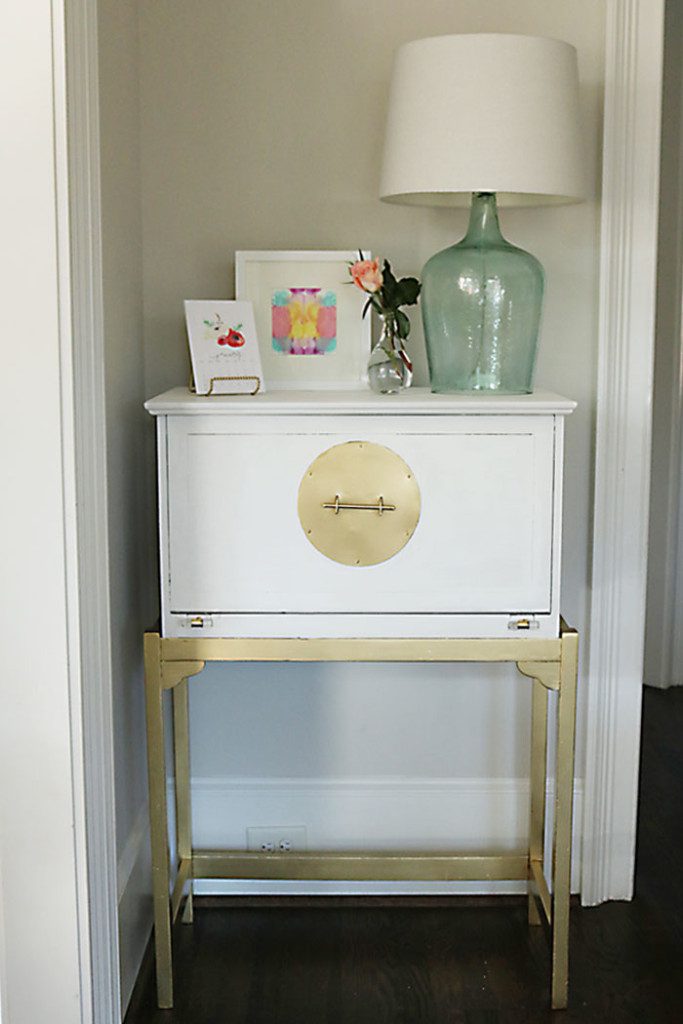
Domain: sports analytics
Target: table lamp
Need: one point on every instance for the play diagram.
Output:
(494, 118)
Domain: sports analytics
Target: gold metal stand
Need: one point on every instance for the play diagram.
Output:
(551, 664)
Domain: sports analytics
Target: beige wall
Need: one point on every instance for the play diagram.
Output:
(262, 128)
(130, 506)
(664, 635)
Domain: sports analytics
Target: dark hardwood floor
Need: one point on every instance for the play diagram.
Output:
(423, 961)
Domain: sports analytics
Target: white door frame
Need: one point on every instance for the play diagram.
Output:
(629, 220)
(56, 885)
(633, 88)
(90, 454)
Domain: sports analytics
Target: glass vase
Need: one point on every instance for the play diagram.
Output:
(481, 307)
(389, 369)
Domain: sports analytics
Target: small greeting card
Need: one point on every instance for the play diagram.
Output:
(223, 347)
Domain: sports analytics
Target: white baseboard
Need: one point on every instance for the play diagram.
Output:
(467, 815)
(134, 887)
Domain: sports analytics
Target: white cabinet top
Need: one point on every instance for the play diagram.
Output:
(417, 401)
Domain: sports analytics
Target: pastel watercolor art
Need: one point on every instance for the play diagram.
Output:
(304, 321)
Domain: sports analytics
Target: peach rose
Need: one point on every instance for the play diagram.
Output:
(366, 275)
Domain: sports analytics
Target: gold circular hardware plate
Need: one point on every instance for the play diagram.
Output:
(359, 503)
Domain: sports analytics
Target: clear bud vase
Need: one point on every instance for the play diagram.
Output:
(389, 369)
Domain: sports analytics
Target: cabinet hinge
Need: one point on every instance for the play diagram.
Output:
(196, 621)
(523, 622)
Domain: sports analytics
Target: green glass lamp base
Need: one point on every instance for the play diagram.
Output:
(481, 308)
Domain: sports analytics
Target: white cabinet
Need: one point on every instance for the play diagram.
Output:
(354, 527)
(484, 557)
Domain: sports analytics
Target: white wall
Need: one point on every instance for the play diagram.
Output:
(41, 790)
(664, 625)
(264, 130)
(130, 503)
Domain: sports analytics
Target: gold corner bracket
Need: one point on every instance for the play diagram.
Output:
(546, 672)
(174, 672)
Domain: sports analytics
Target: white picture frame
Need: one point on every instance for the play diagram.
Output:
(296, 281)
(224, 348)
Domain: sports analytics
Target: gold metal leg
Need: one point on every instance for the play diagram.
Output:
(552, 664)
(562, 838)
(181, 750)
(539, 757)
(158, 819)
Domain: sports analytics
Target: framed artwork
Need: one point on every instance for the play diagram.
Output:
(223, 347)
(308, 317)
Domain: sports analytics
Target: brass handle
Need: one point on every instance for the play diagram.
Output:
(339, 506)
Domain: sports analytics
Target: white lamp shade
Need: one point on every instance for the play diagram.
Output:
(483, 113)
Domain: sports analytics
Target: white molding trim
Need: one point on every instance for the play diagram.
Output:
(135, 846)
(89, 442)
(135, 911)
(633, 85)
(4, 1009)
(466, 815)
(70, 489)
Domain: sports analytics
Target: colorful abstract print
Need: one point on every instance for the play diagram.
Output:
(304, 321)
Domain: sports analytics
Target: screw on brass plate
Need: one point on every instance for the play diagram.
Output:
(309, 531)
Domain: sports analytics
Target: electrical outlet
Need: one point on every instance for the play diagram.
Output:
(276, 838)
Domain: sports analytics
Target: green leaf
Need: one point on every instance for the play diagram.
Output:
(389, 285)
(408, 290)
(386, 269)
(403, 324)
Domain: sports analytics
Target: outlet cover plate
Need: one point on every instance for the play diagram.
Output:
(277, 839)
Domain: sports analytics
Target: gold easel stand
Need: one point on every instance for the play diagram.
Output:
(551, 664)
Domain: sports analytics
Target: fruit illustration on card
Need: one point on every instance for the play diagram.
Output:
(233, 338)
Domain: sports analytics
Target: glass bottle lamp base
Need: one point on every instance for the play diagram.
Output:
(481, 307)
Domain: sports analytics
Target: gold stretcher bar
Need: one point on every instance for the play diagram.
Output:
(359, 866)
(182, 878)
(540, 885)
